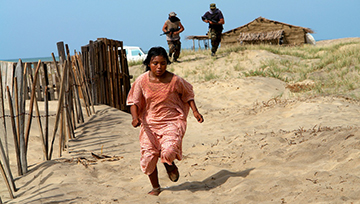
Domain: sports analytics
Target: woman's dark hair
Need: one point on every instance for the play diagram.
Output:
(153, 52)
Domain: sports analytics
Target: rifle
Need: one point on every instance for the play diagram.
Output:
(170, 31)
(203, 18)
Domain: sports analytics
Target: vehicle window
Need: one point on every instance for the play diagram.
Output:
(135, 52)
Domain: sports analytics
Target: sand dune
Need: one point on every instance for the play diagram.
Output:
(257, 145)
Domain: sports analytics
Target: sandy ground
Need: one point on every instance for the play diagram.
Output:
(254, 147)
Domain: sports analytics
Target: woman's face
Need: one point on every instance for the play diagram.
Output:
(158, 65)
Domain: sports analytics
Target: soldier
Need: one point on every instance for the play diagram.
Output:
(175, 27)
(216, 20)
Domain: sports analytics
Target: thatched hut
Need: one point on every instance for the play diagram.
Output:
(262, 30)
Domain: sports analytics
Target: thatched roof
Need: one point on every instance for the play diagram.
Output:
(261, 19)
(272, 35)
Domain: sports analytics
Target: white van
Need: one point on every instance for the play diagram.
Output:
(134, 53)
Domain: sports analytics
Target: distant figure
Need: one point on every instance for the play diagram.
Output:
(173, 28)
(216, 20)
(160, 102)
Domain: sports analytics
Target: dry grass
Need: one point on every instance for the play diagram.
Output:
(332, 68)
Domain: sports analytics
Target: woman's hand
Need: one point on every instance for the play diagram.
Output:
(198, 117)
(135, 122)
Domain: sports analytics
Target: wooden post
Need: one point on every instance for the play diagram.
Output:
(6, 181)
(46, 104)
(60, 106)
(78, 80)
(16, 143)
(85, 81)
(33, 89)
(20, 108)
(38, 117)
(2, 115)
(91, 73)
(4, 155)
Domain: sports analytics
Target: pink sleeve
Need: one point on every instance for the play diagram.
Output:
(185, 89)
(135, 96)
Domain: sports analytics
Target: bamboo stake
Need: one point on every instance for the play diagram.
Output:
(38, 119)
(20, 136)
(61, 140)
(68, 103)
(7, 169)
(82, 86)
(5, 154)
(56, 66)
(6, 181)
(77, 98)
(82, 73)
(17, 115)
(46, 101)
(60, 106)
(2, 110)
(69, 90)
(20, 126)
(17, 150)
(33, 89)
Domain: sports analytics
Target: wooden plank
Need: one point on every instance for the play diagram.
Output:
(92, 74)
(10, 76)
(100, 69)
(3, 135)
(37, 83)
(122, 56)
(110, 74)
(105, 74)
(97, 73)
(126, 84)
(50, 77)
(4, 154)
(61, 52)
(17, 118)
(57, 77)
(115, 66)
(20, 108)
(27, 82)
(42, 81)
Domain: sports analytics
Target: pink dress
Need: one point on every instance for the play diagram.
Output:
(163, 109)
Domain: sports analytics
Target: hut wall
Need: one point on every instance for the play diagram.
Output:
(293, 35)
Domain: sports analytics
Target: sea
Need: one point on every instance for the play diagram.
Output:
(35, 59)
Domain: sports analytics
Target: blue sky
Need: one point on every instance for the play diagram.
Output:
(31, 28)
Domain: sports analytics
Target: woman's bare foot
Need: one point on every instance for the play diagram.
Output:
(155, 191)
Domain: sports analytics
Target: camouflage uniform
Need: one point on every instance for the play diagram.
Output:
(173, 40)
(215, 37)
(215, 29)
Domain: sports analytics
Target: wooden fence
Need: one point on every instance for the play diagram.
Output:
(98, 75)
(108, 72)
